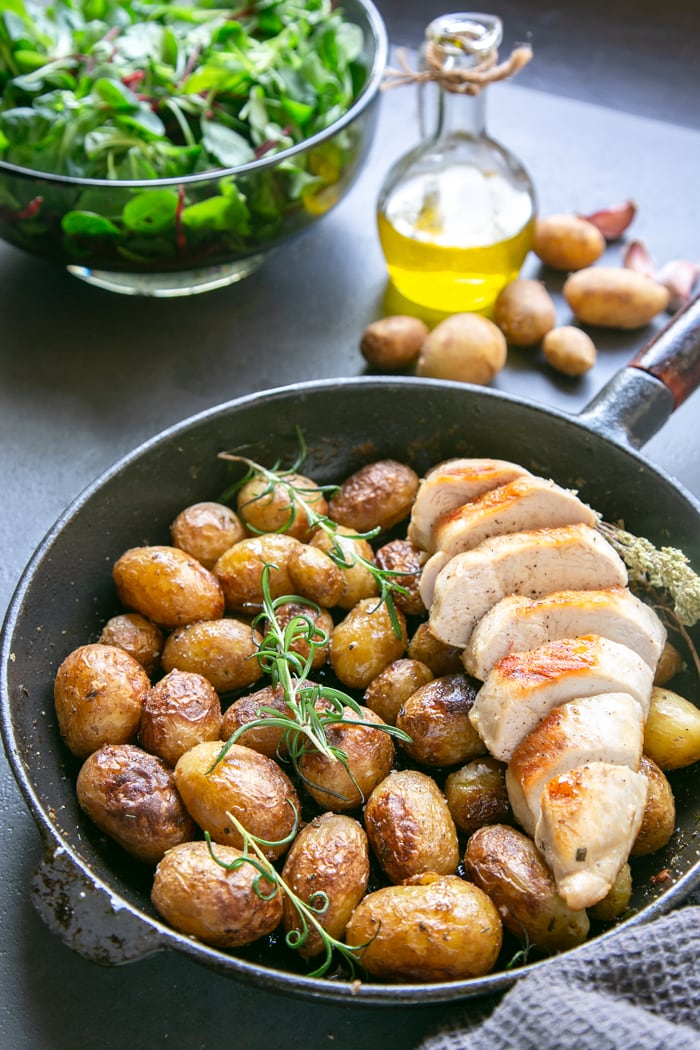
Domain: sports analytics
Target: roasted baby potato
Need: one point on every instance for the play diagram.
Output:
(239, 570)
(410, 828)
(659, 820)
(672, 731)
(614, 297)
(131, 796)
(201, 898)
(508, 867)
(98, 695)
(436, 718)
(670, 663)
(377, 496)
(224, 651)
(136, 635)
(387, 692)
(524, 312)
(206, 530)
(315, 576)
(404, 557)
(567, 242)
(476, 795)
(393, 342)
(364, 643)
(179, 711)
(434, 928)
(315, 625)
(617, 899)
(328, 863)
(265, 739)
(283, 507)
(249, 785)
(358, 581)
(167, 585)
(440, 657)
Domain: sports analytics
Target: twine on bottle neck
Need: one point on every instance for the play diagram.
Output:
(459, 81)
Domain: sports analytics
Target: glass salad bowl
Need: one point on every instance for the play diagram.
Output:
(279, 144)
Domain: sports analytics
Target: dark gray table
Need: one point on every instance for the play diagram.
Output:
(85, 376)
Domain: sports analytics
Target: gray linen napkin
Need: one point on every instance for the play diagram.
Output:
(637, 991)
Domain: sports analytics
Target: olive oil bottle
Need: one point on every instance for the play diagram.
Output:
(456, 214)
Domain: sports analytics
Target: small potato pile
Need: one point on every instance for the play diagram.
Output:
(415, 809)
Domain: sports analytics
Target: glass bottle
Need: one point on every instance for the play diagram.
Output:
(456, 214)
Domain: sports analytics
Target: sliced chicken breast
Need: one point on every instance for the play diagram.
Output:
(532, 563)
(517, 623)
(523, 688)
(451, 484)
(527, 503)
(588, 822)
(603, 728)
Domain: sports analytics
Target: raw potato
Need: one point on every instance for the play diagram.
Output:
(275, 508)
(239, 570)
(436, 718)
(404, 557)
(167, 585)
(358, 581)
(617, 899)
(378, 495)
(329, 856)
(98, 694)
(313, 575)
(524, 312)
(179, 711)
(387, 692)
(131, 796)
(202, 899)
(224, 651)
(437, 928)
(410, 828)
(567, 242)
(467, 348)
(476, 795)
(614, 297)
(364, 643)
(672, 731)
(249, 785)
(507, 865)
(393, 342)
(206, 530)
(659, 820)
(570, 350)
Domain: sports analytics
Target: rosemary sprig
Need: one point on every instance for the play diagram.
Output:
(308, 912)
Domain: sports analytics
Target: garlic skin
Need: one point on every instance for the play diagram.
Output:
(638, 258)
(680, 277)
(613, 221)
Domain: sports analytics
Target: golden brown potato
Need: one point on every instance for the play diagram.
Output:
(436, 928)
(318, 621)
(377, 496)
(570, 350)
(167, 585)
(669, 665)
(139, 637)
(387, 692)
(440, 657)
(330, 857)
(224, 651)
(476, 795)
(672, 731)
(239, 570)
(249, 785)
(283, 507)
(567, 242)
(617, 899)
(364, 643)
(507, 865)
(393, 342)
(179, 711)
(436, 717)
(410, 828)
(614, 297)
(404, 557)
(342, 786)
(200, 898)
(98, 694)
(659, 820)
(131, 796)
(358, 581)
(467, 348)
(205, 530)
(268, 740)
(524, 312)
(313, 575)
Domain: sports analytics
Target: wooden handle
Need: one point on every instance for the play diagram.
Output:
(673, 355)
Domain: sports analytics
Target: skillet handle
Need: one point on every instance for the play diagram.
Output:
(673, 356)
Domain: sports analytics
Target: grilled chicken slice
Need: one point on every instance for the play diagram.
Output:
(532, 563)
(603, 728)
(527, 503)
(451, 484)
(518, 623)
(524, 687)
(588, 822)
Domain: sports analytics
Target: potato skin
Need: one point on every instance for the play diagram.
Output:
(202, 899)
(436, 717)
(323, 626)
(223, 651)
(131, 796)
(136, 635)
(249, 784)
(98, 695)
(672, 731)
(567, 242)
(364, 643)
(179, 711)
(265, 508)
(524, 312)
(378, 495)
(410, 828)
(616, 900)
(436, 928)
(265, 739)
(313, 575)
(404, 557)
(330, 855)
(239, 570)
(508, 867)
(438, 656)
(670, 663)
(167, 585)
(205, 530)
(387, 692)
(570, 350)
(614, 297)
(392, 342)
(358, 581)
(467, 348)
(659, 820)
(476, 795)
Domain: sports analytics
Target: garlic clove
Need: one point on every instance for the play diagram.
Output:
(638, 258)
(680, 277)
(612, 222)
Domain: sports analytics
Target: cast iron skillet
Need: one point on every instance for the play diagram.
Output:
(85, 890)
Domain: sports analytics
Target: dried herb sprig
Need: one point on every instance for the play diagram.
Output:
(309, 912)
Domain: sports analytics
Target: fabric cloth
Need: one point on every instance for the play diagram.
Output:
(637, 991)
